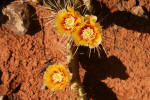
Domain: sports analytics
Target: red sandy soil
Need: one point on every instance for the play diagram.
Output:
(122, 72)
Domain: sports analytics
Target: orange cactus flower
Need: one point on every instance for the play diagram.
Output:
(56, 77)
(66, 20)
(88, 33)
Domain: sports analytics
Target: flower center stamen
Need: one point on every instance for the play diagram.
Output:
(87, 33)
(57, 77)
(69, 22)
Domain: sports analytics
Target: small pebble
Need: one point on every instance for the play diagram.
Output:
(137, 10)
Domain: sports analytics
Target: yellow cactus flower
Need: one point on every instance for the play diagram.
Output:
(66, 20)
(56, 77)
(88, 33)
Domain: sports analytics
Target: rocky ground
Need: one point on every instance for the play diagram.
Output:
(122, 72)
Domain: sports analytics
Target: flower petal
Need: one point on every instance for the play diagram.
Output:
(56, 77)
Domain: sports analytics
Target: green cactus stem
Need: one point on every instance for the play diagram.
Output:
(76, 85)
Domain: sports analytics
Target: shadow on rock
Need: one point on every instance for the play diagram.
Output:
(11, 97)
(34, 22)
(121, 18)
(1, 77)
(97, 69)
(3, 18)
